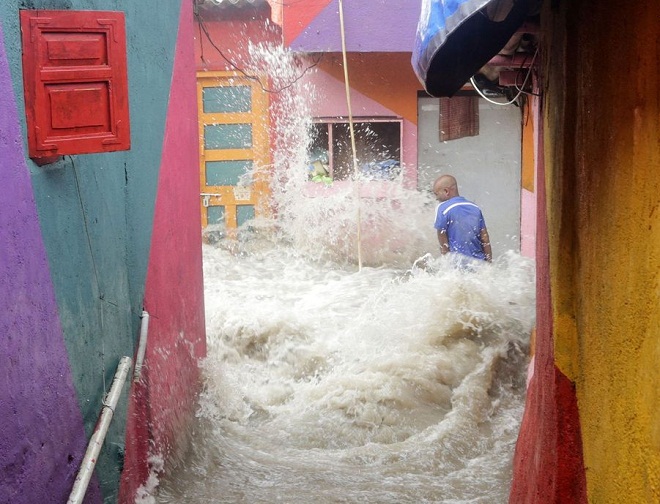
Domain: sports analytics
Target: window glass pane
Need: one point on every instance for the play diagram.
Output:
(377, 145)
(227, 136)
(215, 214)
(318, 158)
(227, 99)
(228, 173)
(244, 213)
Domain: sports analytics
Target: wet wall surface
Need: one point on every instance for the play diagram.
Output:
(602, 121)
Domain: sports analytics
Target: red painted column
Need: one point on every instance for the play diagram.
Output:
(162, 405)
(548, 466)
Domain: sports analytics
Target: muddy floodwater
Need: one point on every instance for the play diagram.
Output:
(343, 368)
(326, 383)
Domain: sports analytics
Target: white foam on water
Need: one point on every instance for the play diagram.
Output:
(145, 493)
(328, 384)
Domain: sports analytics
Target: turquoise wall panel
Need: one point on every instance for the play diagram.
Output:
(216, 214)
(244, 213)
(226, 173)
(228, 136)
(224, 99)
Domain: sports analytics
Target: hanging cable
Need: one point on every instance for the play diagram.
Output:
(356, 174)
(520, 89)
(204, 29)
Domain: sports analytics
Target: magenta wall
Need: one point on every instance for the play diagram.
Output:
(162, 404)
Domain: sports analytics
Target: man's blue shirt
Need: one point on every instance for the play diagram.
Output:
(463, 221)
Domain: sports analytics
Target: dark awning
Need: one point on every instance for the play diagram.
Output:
(455, 38)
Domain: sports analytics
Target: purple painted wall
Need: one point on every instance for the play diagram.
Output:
(42, 436)
(370, 26)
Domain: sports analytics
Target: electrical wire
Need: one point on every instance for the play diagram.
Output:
(352, 130)
(243, 72)
(520, 90)
(100, 294)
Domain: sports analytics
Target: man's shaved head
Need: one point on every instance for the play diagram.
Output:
(445, 187)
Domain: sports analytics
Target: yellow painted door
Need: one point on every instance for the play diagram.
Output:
(234, 149)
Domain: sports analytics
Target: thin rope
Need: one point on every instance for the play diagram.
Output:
(352, 130)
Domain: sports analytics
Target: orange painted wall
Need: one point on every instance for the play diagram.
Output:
(387, 78)
(528, 150)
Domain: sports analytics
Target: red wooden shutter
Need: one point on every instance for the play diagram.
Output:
(76, 86)
(459, 117)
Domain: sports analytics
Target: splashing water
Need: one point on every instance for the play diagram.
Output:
(328, 384)
(324, 384)
(390, 220)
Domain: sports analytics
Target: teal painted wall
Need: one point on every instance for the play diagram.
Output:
(96, 214)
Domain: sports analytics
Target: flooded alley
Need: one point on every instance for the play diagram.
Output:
(331, 385)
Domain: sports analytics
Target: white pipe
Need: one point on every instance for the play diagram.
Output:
(96, 441)
(142, 346)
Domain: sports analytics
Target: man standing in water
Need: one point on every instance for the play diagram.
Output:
(460, 224)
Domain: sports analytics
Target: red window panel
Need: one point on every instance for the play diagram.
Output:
(75, 80)
(459, 117)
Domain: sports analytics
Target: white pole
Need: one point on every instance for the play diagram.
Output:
(96, 441)
(142, 346)
(356, 173)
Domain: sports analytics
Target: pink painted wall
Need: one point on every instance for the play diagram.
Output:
(333, 103)
(232, 37)
(528, 223)
(162, 405)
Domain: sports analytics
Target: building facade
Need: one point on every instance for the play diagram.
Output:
(397, 126)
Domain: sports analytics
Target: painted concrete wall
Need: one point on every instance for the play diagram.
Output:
(229, 38)
(93, 215)
(530, 155)
(374, 26)
(368, 98)
(548, 466)
(602, 114)
(163, 402)
(42, 437)
(487, 166)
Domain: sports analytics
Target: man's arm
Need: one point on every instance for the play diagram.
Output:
(444, 241)
(485, 243)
